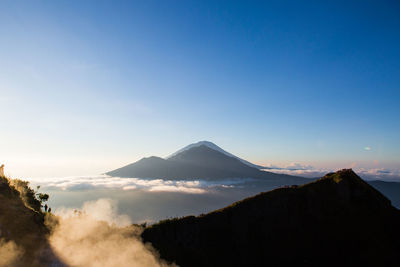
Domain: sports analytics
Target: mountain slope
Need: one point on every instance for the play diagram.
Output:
(337, 220)
(22, 224)
(217, 148)
(200, 162)
(390, 189)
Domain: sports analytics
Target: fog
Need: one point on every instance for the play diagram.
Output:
(97, 235)
(9, 252)
(148, 200)
(151, 200)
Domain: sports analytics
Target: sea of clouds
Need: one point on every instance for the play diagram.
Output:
(151, 185)
(309, 171)
(76, 183)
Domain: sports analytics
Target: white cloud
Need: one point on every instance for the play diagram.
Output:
(155, 185)
(198, 186)
(172, 188)
(309, 173)
(103, 209)
(313, 172)
(290, 167)
(379, 174)
(97, 236)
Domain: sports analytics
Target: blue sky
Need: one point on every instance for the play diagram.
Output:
(88, 86)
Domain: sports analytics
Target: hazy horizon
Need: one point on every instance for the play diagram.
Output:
(67, 168)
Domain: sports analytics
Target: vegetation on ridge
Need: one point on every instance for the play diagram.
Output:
(22, 222)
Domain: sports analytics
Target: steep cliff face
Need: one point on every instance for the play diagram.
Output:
(23, 234)
(336, 220)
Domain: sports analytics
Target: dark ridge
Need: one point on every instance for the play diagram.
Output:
(338, 220)
(22, 222)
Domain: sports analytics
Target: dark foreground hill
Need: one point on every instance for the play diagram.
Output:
(23, 234)
(200, 162)
(338, 220)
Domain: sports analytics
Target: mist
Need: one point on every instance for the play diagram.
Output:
(96, 235)
(9, 252)
(144, 205)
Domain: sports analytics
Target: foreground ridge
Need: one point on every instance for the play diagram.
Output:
(338, 219)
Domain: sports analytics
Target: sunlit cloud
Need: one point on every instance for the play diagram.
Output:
(94, 235)
(290, 167)
(172, 188)
(151, 185)
(101, 209)
(198, 186)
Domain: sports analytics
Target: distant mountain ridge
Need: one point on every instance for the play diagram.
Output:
(217, 148)
(338, 220)
(198, 162)
(205, 160)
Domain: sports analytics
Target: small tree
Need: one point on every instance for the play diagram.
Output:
(43, 197)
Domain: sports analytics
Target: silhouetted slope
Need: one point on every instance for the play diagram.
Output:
(200, 162)
(337, 220)
(23, 223)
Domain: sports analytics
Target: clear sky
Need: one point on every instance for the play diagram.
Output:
(88, 86)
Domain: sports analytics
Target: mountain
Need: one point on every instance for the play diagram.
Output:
(338, 220)
(198, 162)
(217, 148)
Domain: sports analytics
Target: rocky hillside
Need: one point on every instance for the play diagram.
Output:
(23, 234)
(338, 220)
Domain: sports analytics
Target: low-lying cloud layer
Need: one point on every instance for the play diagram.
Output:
(313, 172)
(155, 185)
(379, 174)
(197, 186)
(290, 167)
